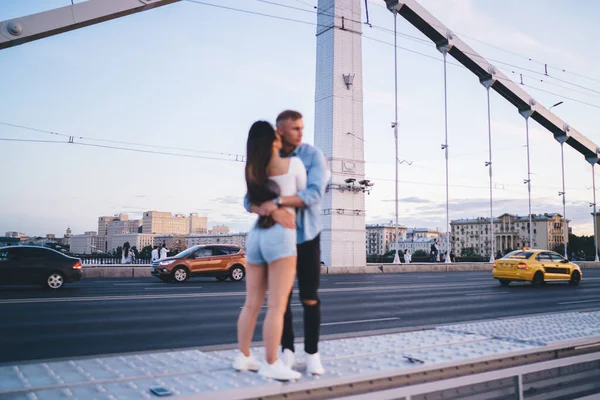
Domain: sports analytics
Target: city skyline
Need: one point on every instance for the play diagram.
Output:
(180, 103)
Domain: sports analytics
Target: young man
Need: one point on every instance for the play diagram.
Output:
(155, 255)
(308, 225)
(164, 251)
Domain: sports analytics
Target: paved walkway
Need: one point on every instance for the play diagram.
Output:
(199, 374)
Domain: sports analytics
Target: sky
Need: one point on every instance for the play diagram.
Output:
(189, 79)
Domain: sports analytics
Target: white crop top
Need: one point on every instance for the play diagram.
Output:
(293, 181)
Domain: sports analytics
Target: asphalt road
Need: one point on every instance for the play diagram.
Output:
(128, 315)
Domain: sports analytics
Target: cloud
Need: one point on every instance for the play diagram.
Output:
(204, 210)
(229, 200)
(416, 200)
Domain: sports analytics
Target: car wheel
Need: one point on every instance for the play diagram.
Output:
(222, 278)
(237, 273)
(575, 278)
(55, 281)
(504, 282)
(180, 274)
(538, 279)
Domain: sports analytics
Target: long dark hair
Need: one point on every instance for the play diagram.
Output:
(126, 249)
(259, 150)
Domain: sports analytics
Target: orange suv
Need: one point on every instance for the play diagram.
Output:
(221, 261)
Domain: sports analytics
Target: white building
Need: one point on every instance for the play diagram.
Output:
(510, 232)
(380, 236)
(238, 239)
(421, 233)
(198, 224)
(164, 223)
(85, 244)
(219, 229)
(174, 243)
(424, 244)
(66, 240)
(109, 226)
(137, 240)
(16, 235)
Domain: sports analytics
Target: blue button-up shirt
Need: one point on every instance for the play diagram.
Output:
(308, 219)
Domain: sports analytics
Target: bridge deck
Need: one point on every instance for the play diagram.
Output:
(197, 374)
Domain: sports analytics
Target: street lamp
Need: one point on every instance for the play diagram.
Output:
(444, 49)
(526, 113)
(487, 82)
(562, 139)
(593, 160)
(395, 125)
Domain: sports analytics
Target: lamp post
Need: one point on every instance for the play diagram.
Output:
(445, 49)
(487, 82)
(526, 113)
(562, 139)
(395, 126)
(593, 160)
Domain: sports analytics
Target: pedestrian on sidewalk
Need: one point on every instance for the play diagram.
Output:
(164, 252)
(155, 255)
(127, 257)
(407, 257)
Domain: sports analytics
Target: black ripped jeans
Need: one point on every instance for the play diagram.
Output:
(308, 270)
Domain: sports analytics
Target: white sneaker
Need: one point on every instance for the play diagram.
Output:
(288, 357)
(313, 364)
(278, 371)
(243, 363)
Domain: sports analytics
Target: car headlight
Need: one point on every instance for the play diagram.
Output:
(167, 262)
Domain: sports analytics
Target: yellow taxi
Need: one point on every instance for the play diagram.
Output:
(535, 266)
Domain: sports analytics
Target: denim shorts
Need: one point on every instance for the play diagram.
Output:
(264, 246)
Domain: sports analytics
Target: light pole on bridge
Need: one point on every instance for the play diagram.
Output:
(445, 49)
(562, 139)
(487, 82)
(593, 160)
(526, 113)
(395, 126)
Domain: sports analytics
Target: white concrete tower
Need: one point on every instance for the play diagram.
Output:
(339, 130)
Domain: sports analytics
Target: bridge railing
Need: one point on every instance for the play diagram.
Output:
(90, 260)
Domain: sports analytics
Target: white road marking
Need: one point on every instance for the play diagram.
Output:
(293, 305)
(138, 284)
(484, 293)
(352, 283)
(358, 321)
(173, 287)
(579, 301)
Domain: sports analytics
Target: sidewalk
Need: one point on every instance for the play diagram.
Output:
(196, 374)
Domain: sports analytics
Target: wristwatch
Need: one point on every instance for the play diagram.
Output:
(277, 201)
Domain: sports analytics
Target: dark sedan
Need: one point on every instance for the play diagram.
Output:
(33, 265)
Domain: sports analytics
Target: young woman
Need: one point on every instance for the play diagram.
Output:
(128, 256)
(270, 251)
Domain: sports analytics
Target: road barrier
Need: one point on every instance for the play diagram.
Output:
(134, 271)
